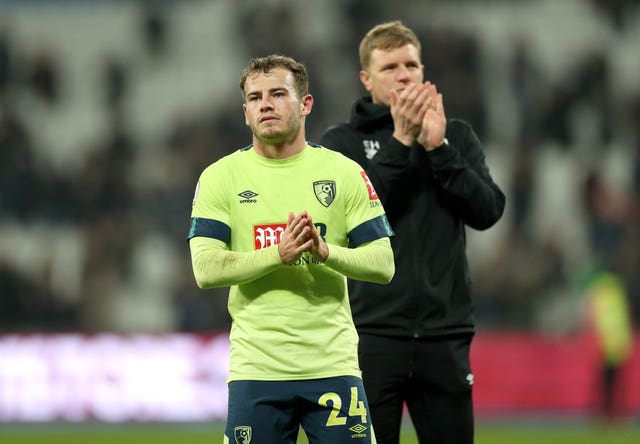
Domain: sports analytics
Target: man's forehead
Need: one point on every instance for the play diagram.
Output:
(275, 76)
(398, 52)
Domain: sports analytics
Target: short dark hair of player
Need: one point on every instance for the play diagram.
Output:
(389, 35)
(268, 63)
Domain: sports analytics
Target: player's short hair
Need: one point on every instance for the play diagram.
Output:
(268, 63)
(388, 35)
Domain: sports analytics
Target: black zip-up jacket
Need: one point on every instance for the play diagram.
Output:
(429, 197)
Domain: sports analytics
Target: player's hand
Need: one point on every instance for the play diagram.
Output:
(407, 111)
(295, 239)
(434, 123)
(319, 248)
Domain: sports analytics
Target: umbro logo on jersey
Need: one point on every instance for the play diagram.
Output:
(248, 196)
(325, 191)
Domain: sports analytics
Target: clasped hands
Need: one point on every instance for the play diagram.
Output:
(418, 115)
(299, 236)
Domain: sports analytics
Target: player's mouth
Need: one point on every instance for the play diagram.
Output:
(267, 118)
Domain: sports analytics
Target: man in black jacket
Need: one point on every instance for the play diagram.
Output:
(431, 176)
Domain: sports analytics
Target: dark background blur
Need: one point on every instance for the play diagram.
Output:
(109, 111)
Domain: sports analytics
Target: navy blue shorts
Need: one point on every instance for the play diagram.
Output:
(330, 410)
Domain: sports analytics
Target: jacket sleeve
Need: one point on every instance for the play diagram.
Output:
(463, 178)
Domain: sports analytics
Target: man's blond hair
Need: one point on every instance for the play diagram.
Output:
(388, 35)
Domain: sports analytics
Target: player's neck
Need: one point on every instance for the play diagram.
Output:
(281, 150)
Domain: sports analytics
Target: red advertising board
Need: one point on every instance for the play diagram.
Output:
(182, 377)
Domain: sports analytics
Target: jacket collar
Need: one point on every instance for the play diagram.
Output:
(365, 113)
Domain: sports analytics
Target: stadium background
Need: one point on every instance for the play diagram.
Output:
(110, 109)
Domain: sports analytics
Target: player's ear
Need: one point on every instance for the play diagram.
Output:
(244, 110)
(365, 79)
(306, 104)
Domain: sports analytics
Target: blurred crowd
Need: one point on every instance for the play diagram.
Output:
(99, 160)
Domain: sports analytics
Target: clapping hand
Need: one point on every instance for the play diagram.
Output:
(299, 236)
(434, 122)
(295, 238)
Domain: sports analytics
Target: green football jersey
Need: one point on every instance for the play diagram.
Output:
(295, 322)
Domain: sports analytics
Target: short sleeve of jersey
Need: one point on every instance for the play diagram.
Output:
(210, 214)
(366, 219)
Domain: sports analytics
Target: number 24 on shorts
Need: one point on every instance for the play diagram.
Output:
(356, 408)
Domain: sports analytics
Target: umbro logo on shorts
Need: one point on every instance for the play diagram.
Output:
(358, 430)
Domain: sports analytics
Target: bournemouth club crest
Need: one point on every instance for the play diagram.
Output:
(242, 434)
(325, 191)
